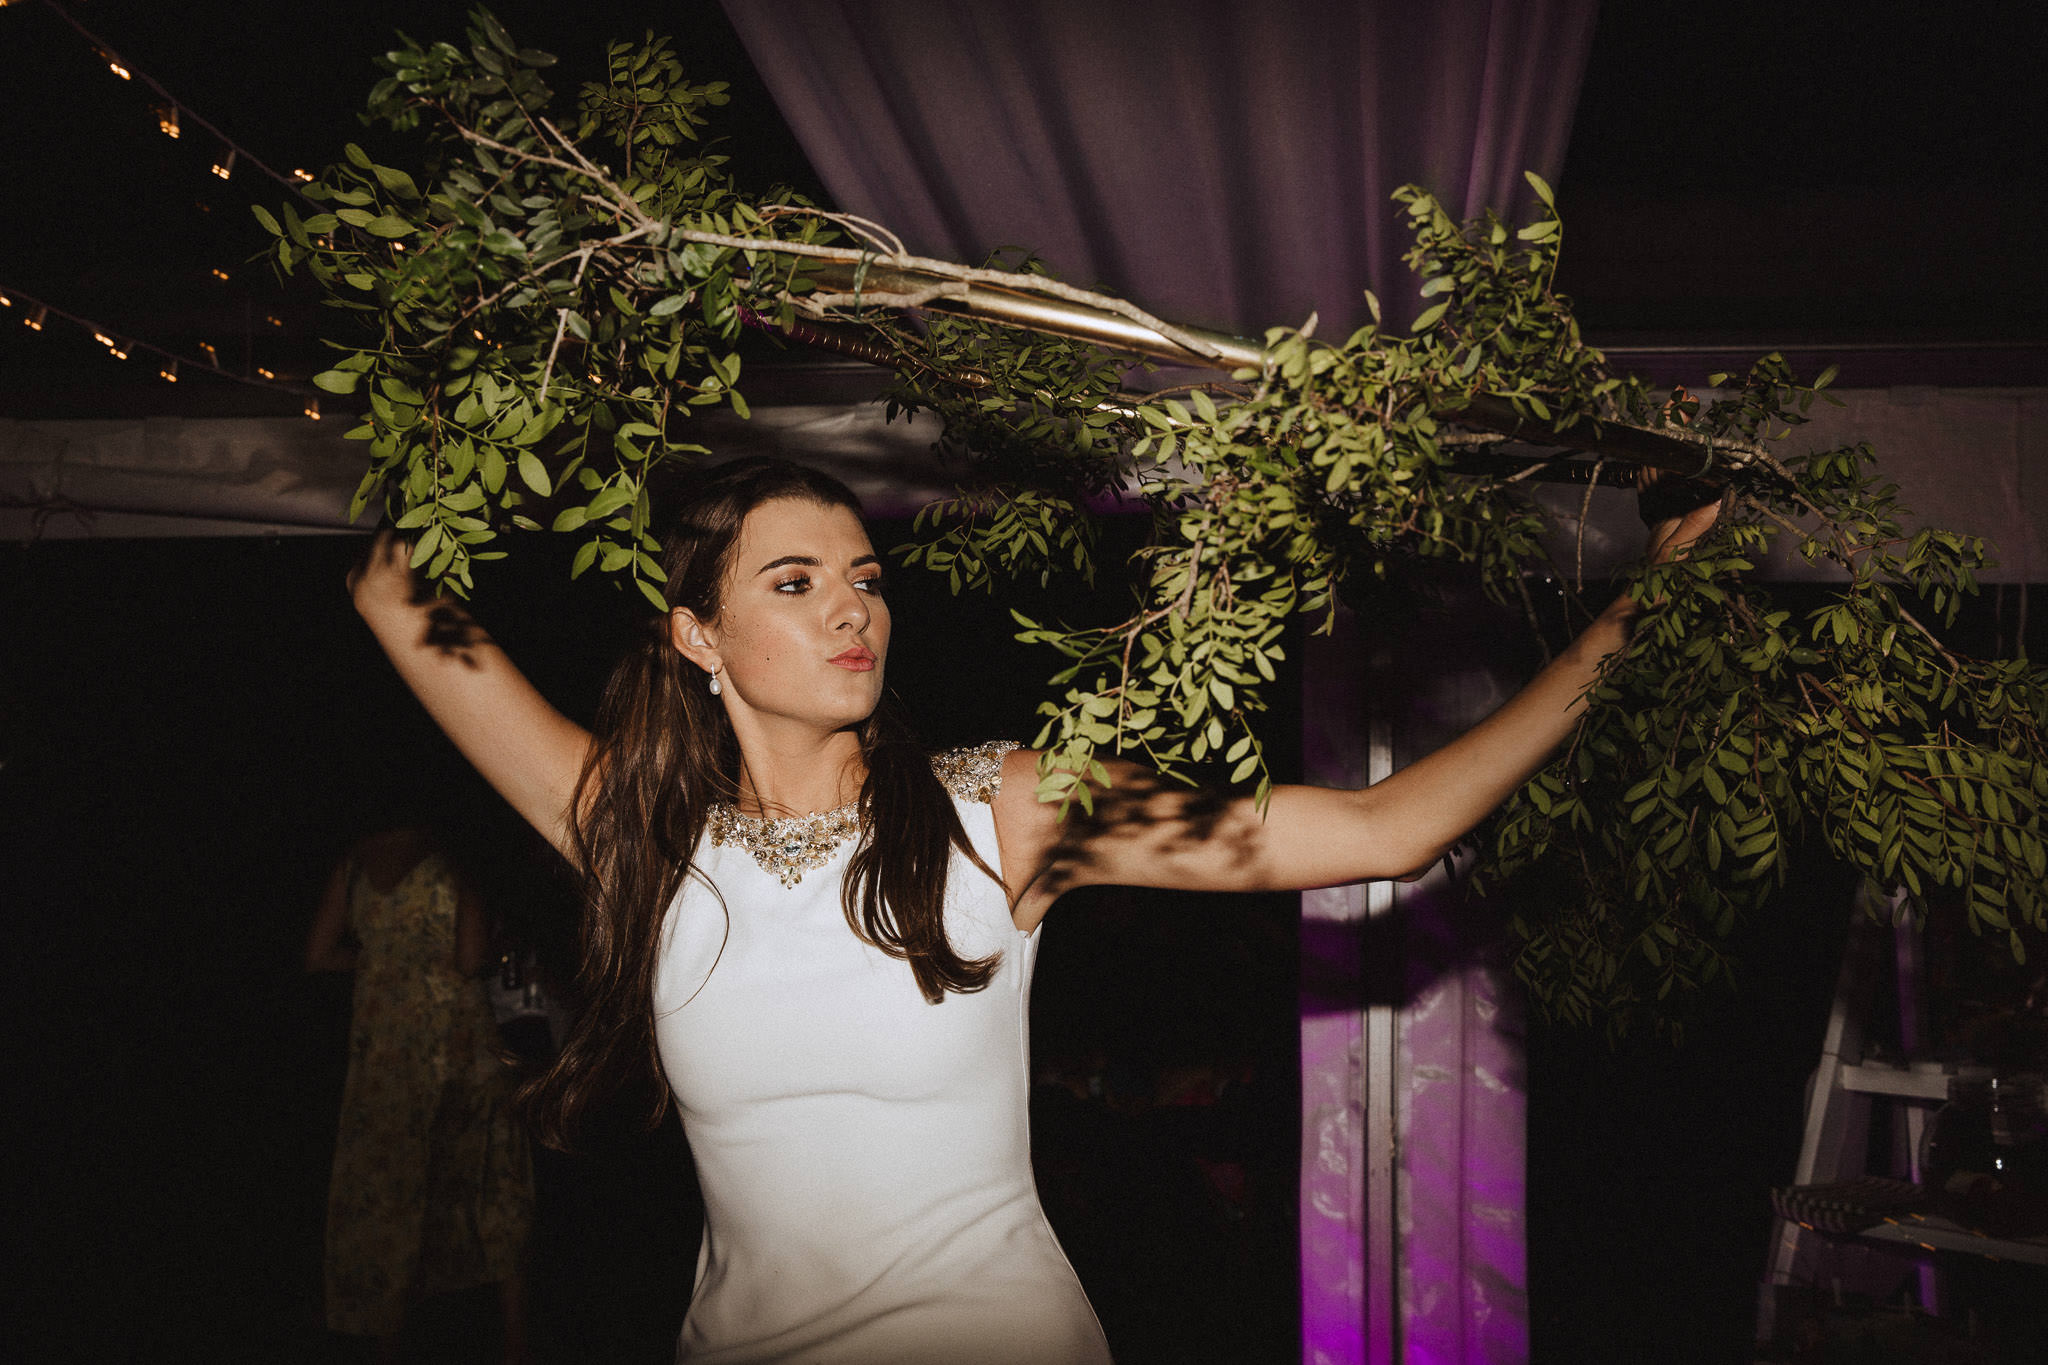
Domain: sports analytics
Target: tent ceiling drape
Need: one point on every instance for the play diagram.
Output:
(1223, 165)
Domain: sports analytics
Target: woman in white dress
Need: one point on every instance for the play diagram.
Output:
(821, 936)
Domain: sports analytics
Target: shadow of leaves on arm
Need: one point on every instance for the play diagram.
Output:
(451, 631)
(1147, 830)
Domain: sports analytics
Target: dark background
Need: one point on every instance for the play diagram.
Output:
(192, 729)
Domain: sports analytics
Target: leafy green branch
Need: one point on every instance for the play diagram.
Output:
(543, 318)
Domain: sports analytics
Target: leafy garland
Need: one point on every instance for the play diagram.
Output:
(553, 307)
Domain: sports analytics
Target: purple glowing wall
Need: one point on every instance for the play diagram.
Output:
(1412, 1092)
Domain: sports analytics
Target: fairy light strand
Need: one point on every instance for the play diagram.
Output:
(172, 115)
(37, 313)
(231, 151)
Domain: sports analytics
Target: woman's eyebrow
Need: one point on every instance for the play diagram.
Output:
(813, 562)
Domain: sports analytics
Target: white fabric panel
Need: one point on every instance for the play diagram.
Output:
(285, 475)
(1960, 459)
(173, 476)
(1968, 460)
(1973, 460)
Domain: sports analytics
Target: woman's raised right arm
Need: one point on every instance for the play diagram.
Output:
(529, 751)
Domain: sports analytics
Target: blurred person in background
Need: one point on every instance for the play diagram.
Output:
(432, 1189)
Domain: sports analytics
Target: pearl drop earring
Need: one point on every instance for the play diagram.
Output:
(715, 688)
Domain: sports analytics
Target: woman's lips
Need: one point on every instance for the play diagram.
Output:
(857, 660)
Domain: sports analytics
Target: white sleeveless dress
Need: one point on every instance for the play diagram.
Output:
(864, 1155)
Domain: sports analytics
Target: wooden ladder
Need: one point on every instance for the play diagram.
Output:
(1835, 1143)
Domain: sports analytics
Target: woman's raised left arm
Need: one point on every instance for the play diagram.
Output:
(1148, 832)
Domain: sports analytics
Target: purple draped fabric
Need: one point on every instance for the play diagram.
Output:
(1224, 165)
(1229, 165)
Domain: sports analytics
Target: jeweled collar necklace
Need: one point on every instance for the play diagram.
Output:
(793, 845)
(786, 847)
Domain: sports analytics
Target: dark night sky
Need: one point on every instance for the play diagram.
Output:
(1745, 171)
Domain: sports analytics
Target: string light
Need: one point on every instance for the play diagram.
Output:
(172, 112)
(167, 364)
(273, 319)
(219, 274)
(5, 302)
(303, 177)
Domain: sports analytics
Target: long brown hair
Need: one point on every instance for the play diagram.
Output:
(663, 753)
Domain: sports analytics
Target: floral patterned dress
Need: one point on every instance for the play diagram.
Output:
(433, 1186)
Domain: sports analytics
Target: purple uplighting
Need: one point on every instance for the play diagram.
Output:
(1412, 1169)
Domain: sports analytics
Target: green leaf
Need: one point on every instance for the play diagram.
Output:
(493, 32)
(425, 547)
(395, 181)
(534, 474)
(610, 500)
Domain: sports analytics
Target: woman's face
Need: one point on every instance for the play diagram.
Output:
(802, 632)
